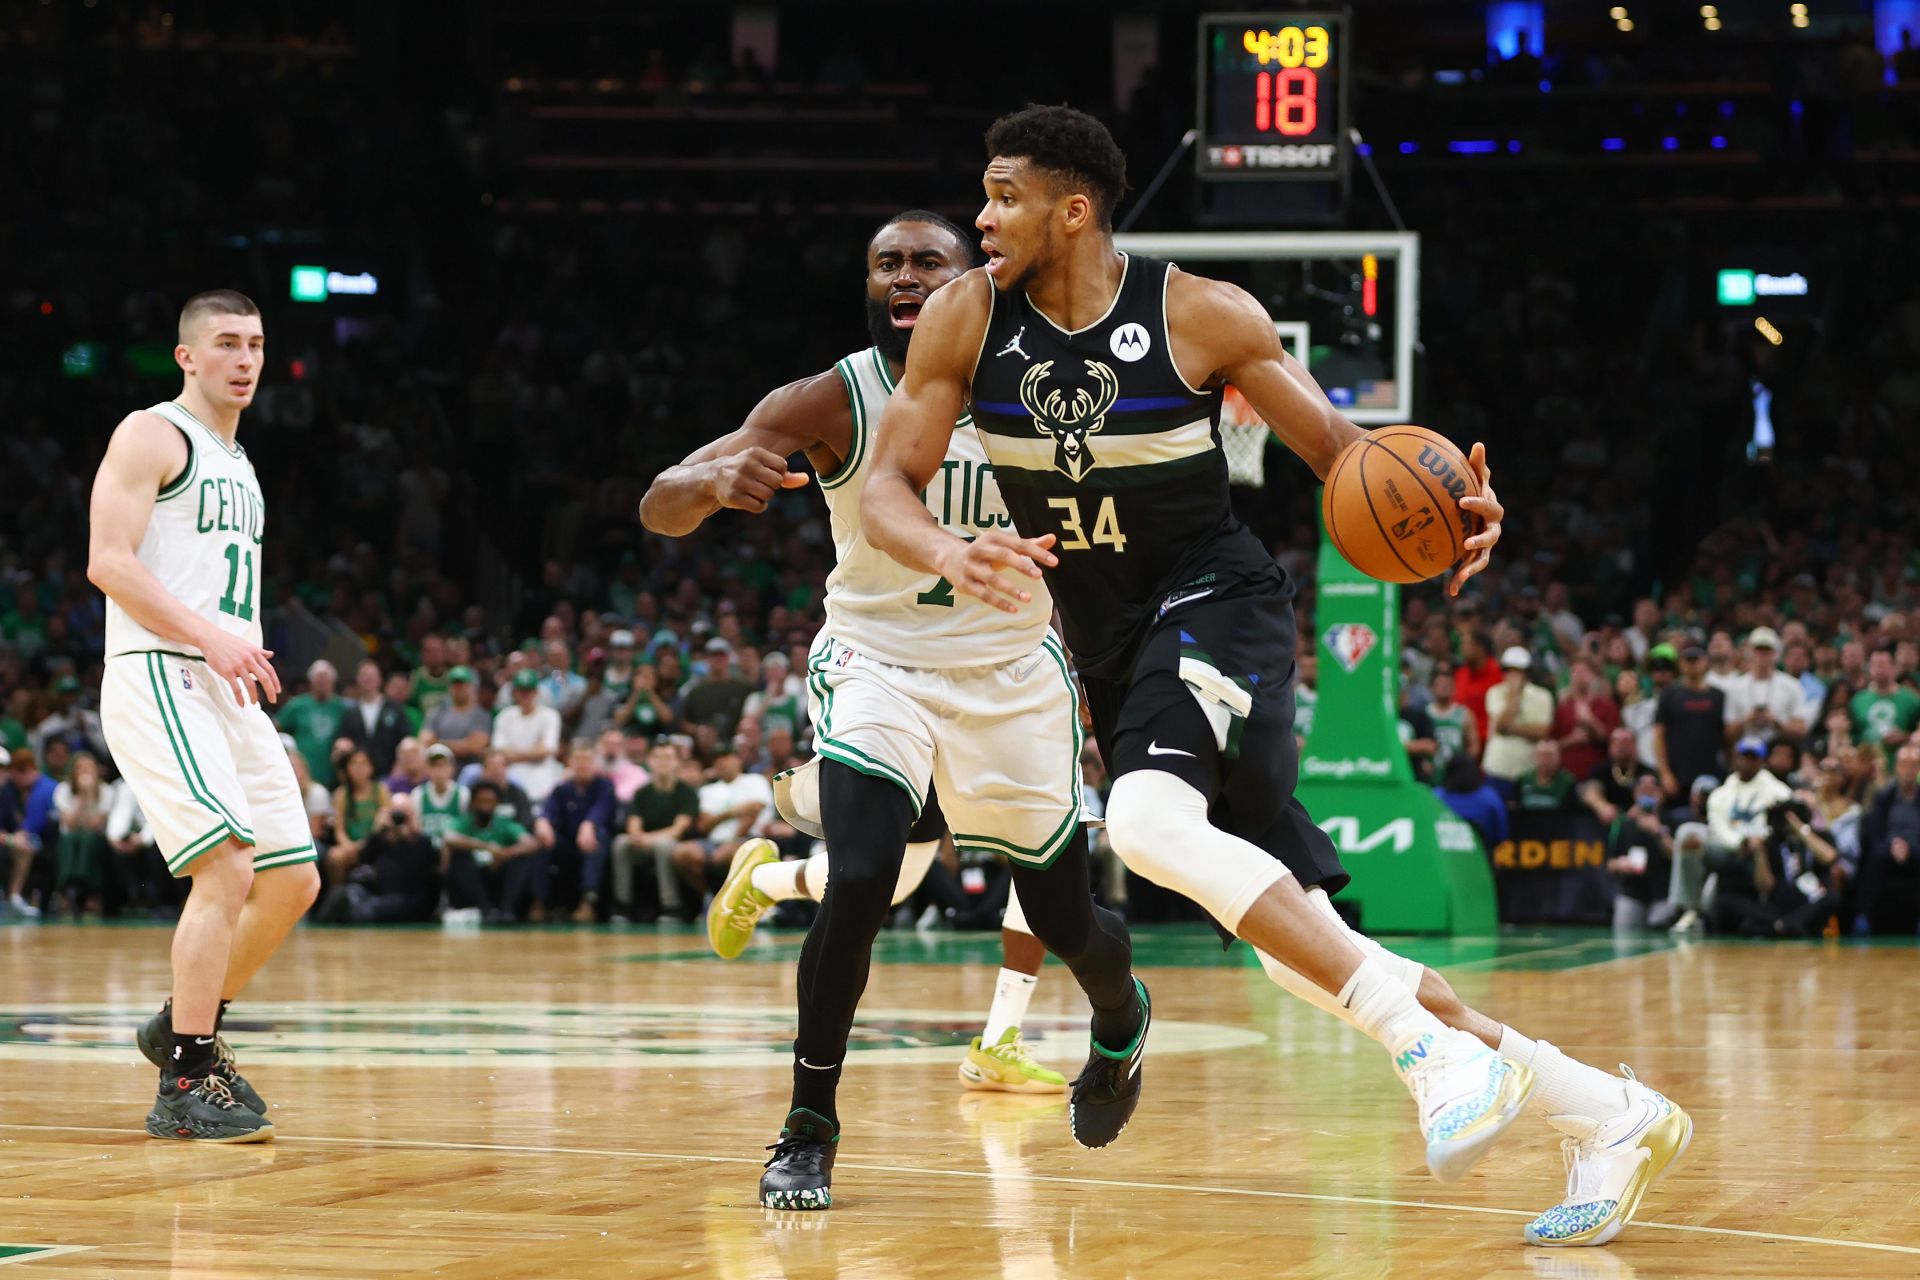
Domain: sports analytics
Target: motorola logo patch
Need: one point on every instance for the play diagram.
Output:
(1130, 342)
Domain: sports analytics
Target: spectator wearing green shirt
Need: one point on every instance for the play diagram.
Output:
(314, 719)
(660, 820)
(1884, 713)
(1549, 788)
(13, 728)
(399, 688)
(432, 680)
(485, 844)
(1454, 729)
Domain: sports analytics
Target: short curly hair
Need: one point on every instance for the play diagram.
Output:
(1071, 145)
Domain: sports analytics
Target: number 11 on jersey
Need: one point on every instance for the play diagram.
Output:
(1106, 525)
(240, 606)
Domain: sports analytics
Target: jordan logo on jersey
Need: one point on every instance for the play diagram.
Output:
(1013, 347)
(1070, 413)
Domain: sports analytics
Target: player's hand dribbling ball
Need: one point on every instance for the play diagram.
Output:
(1392, 504)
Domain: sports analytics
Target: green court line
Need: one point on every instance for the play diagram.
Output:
(1193, 946)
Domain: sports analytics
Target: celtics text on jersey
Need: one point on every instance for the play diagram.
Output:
(203, 540)
(904, 616)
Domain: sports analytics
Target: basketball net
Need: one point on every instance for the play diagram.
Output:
(1243, 438)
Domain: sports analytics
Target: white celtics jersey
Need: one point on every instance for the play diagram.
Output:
(899, 615)
(202, 542)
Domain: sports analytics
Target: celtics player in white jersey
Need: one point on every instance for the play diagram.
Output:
(178, 528)
(913, 690)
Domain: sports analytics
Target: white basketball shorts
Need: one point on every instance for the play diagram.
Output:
(205, 767)
(1000, 743)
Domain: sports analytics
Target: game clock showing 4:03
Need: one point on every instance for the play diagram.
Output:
(1273, 96)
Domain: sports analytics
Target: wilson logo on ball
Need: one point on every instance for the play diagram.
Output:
(1442, 470)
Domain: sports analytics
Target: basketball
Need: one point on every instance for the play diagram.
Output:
(1392, 504)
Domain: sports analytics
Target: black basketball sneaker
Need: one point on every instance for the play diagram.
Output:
(800, 1172)
(156, 1045)
(1108, 1088)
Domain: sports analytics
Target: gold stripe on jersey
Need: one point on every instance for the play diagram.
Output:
(1038, 453)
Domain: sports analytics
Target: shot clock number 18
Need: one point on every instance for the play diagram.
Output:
(1272, 96)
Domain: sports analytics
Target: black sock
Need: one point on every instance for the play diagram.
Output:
(814, 1088)
(1089, 939)
(192, 1057)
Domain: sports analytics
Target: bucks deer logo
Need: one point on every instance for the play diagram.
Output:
(1070, 415)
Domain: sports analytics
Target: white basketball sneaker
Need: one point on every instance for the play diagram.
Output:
(1467, 1095)
(1610, 1165)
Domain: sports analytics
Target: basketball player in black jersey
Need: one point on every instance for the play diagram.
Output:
(1095, 378)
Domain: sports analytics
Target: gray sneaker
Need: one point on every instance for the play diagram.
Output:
(157, 1047)
(203, 1110)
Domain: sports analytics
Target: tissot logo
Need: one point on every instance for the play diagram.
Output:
(1130, 342)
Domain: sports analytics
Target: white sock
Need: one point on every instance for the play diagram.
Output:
(1010, 996)
(1383, 1008)
(1567, 1086)
(781, 880)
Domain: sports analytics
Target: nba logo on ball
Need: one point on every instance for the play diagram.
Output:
(1349, 642)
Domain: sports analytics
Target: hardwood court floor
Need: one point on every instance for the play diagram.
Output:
(594, 1104)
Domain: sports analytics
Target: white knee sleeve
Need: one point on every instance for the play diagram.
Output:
(1015, 918)
(1158, 825)
(1404, 971)
(913, 869)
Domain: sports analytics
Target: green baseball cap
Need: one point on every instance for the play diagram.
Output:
(460, 675)
(1666, 651)
(526, 678)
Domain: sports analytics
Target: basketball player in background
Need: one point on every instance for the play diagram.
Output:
(1094, 378)
(910, 685)
(178, 526)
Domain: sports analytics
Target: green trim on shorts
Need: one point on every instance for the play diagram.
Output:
(195, 847)
(852, 757)
(285, 857)
(183, 751)
(857, 446)
(1050, 849)
(860, 762)
(1056, 841)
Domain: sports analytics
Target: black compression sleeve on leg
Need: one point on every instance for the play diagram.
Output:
(1089, 939)
(866, 821)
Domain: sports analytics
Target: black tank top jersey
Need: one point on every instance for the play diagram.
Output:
(1096, 438)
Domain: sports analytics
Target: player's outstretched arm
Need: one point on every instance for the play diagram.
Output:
(744, 469)
(147, 451)
(911, 443)
(1227, 336)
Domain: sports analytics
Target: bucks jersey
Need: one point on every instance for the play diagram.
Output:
(202, 541)
(1096, 438)
(902, 616)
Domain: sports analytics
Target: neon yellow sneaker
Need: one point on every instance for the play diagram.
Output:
(1008, 1067)
(738, 906)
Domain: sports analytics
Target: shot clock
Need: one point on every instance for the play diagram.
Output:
(1273, 95)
